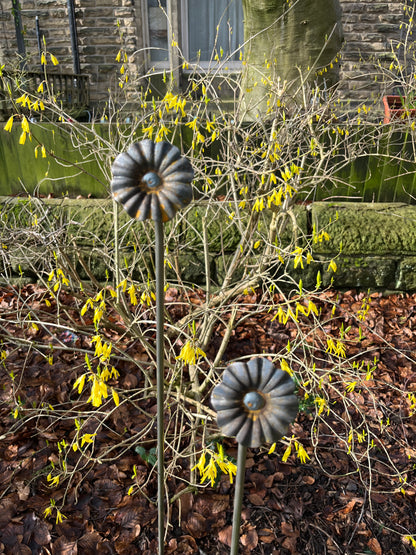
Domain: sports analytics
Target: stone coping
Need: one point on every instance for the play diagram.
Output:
(373, 244)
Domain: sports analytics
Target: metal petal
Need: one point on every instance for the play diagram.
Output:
(267, 372)
(144, 210)
(255, 369)
(179, 193)
(143, 153)
(180, 177)
(269, 432)
(167, 205)
(136, 154)
(181, 166)
(124, 195)
(120, 182)
(236, 376)
(125, 165)
(156, 212)
(224, 390)
(230, 421)
(134, 204)
(278, 377)
(290, 407)
(165, 154)
(285, 387)
(245, 434)
(278, 422)
(225, 403)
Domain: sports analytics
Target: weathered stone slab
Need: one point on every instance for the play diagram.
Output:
(365, 228)
(406, 274)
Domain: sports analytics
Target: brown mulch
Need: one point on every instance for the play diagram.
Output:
(321, 506)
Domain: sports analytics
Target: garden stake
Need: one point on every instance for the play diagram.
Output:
(151, 181)
(160, 280)
(255, 403)
(238, 497)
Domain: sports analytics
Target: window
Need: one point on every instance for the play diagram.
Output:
(157, 30)
(207, 30)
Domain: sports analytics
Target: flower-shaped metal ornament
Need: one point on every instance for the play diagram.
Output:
(255, 402)
(152, 180)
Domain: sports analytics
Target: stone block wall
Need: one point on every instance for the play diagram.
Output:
(370, 29)
(103, 27)
(372, 244)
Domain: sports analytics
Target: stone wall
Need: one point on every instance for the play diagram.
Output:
(370, 28)
(372, 244)
(103, 27)
(371, 31)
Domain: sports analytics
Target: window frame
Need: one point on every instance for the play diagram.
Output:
(177, 11)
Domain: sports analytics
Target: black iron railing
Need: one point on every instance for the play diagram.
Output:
(71, 92)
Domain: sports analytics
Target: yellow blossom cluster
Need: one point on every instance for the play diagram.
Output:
(190, 353)
(299, 449)
(294, 315)
(210, 462)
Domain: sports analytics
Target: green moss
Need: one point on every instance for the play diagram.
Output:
(373, 229)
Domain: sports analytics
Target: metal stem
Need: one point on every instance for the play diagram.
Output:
(238, 497)
(160, 295)
(74, 39)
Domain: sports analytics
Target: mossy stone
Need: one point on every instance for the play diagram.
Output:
(365, 228)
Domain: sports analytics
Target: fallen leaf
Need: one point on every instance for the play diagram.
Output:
(374, 545)
(225, 535)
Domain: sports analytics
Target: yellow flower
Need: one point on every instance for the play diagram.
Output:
(59, 516)
(189, 353)
(87, 438)
(210, 472)
(258, 205)
(80, 382)
(287, 452)
(98, 313)
(284, 366)
(272, 448)
(350, 386)
(298, 257)
(116, 398)
(322, 404)
(23, 100)
(54, 481)
(200, 464)
(332, 266)
(89, 303)
(9, 124)
(98, 392)
(301, 453)
(132, 293)
(48, 511)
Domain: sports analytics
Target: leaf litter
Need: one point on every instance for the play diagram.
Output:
(321, 506)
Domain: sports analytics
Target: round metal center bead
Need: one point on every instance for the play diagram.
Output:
(253, 400)
(151, 180)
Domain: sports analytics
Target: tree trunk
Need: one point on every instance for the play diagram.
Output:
(285, 40)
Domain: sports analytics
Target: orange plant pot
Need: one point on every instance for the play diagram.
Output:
(394, 109)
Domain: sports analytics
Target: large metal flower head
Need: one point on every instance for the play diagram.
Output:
(255, 402)
(152, 180)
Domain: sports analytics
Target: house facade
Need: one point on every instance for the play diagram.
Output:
(86, 36)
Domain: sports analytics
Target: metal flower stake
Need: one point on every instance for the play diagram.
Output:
(255, 402)
(152, 181)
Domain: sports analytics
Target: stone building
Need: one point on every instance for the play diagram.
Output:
(103, 28)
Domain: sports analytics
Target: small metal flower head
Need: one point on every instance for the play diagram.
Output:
(255, 402)
(152, 180)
